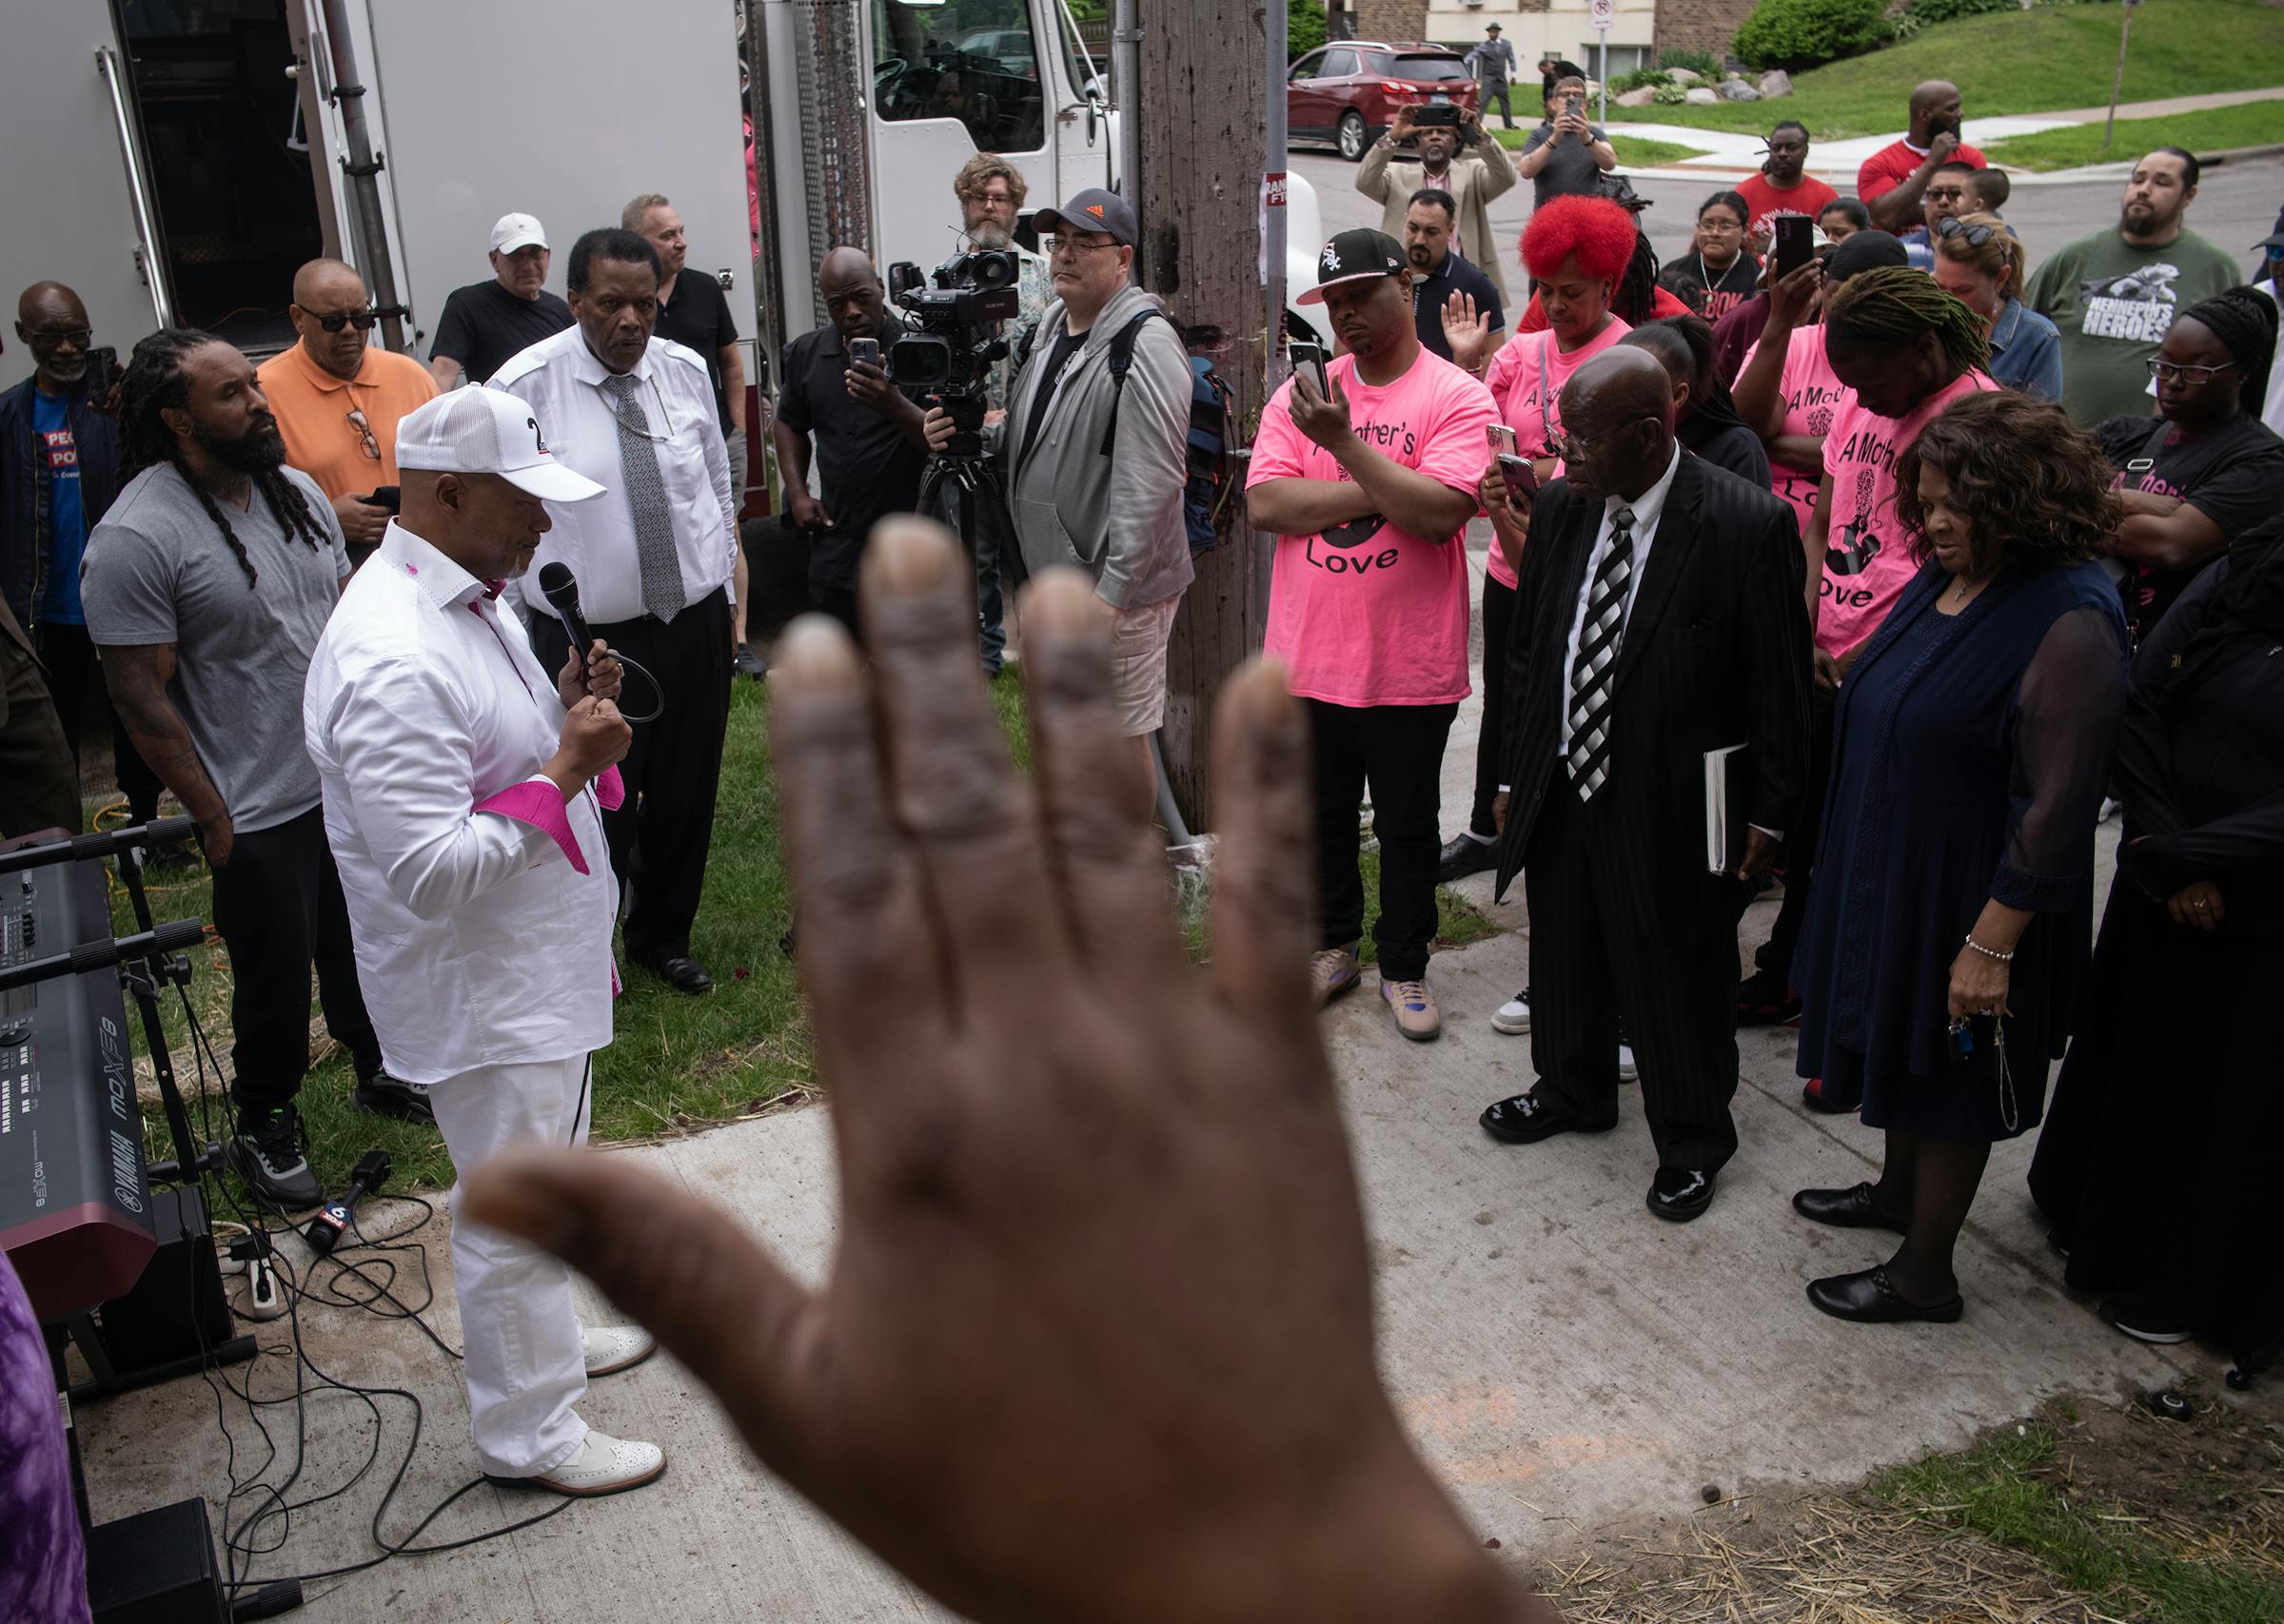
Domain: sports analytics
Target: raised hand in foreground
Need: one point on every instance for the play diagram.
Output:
(1097, 1344)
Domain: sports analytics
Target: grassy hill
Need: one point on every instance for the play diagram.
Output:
(2042, 61)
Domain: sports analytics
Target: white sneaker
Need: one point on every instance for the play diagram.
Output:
(1626, 1062)
(1513, 1017)
(600, 1465)
(613, 1348)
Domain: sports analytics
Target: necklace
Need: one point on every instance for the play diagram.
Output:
(1705, 279)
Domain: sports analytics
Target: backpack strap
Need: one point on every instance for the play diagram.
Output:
(1122, 362)
(1024, 340)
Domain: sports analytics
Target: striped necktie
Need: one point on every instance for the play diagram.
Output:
(661, 566)
(1598, 642)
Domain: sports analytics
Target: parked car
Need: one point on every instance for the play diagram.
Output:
(1346, 96)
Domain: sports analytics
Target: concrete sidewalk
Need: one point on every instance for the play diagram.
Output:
(1564, 1359)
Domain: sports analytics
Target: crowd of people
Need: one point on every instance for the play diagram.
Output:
(1884, 575)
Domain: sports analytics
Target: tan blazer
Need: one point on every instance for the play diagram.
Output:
(1477, 175)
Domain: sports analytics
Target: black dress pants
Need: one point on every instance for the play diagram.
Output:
(1774, 956)
(1398, 752)
(277, 904)
(1498, 620)
(72, 669)
(1671, 975)
(660, 833)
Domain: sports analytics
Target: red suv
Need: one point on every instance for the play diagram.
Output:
(1348, 93)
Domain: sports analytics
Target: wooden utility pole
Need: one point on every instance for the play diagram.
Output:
(1199, 98)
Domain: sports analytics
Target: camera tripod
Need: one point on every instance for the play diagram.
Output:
(964, 463)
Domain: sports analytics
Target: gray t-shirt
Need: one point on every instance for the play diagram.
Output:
(158, 570)
(1571, 170)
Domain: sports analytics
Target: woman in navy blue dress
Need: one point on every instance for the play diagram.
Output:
(1950, 920)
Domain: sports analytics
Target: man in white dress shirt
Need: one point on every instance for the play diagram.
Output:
(463, 797)
(654, 557)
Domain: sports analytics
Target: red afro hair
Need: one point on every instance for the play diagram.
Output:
(1600, 232)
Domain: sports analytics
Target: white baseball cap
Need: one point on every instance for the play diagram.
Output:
(513, 232)
(487, 431)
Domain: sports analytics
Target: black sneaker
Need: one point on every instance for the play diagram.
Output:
(267, 1153)
(1765, 1000)
(2141, 1319)
(384, 1096)
(749, 663)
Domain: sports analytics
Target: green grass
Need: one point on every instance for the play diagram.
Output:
(2254, 123)
(2002, 1489)
(1634, 151)
(675, 1063)
(2018, 61)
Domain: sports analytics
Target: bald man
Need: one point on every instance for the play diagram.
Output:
(338, 398)
(1659, 615)
(1893, 180)
(870, 443)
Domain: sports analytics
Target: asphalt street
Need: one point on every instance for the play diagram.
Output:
(2235, 205)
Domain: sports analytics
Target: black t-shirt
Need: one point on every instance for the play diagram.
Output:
(1455, 275)
(2233, 475)
(484, 326)
(699, 319)
(865, 466)
(1059, 356)
(1683, 278)
(1729, 445)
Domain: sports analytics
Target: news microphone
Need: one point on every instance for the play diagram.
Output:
(562, 592)
(334, 1218)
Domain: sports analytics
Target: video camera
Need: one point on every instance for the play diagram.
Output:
(956, 310)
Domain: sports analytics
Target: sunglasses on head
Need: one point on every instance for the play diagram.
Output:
(1976, 235)
(362, 319)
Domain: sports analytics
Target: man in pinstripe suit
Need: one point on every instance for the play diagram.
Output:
(1659, 615)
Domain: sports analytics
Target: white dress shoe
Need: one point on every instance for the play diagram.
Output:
(611, 1348)
(600, 1465)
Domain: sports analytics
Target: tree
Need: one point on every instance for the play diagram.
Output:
(1304, 28)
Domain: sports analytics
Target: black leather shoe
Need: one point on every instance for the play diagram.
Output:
(1765, 1001)
(1527, 1119)
(1462, 856)
(682, 973)
(1679, 1194)
(1851, 1208)
(1869, 1298)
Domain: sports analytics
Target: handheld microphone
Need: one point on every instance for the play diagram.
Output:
(334, 1218)
(562, 592)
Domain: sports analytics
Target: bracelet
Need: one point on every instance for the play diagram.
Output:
(1987, 953)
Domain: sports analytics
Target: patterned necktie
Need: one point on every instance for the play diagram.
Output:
(662, 569)
(1598, 641)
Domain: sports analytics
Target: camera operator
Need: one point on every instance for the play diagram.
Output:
(1093, 467)
(1566, 156)
(871, 447)
(1451, 157)
(991, 193)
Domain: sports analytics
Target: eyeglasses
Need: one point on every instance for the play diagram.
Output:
(1976, 235)
(1577, 447)
(1054, 245)
(58, 336)
(365, 432)
(664, 415)
(2198, 376)
(362, 319)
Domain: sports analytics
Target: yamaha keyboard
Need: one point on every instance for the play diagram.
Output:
(75, 1211)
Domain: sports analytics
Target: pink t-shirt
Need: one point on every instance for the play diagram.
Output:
(1526, 378)
(1811, 395)
(1866, 561)
(1365, 614)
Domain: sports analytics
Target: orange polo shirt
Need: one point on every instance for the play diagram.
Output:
(313, 408)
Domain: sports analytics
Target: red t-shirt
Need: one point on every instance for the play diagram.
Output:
(1365, 613)
(1810, 197)
(1662, 304)
(1889, 168)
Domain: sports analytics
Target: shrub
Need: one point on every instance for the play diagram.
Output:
(1304, 28)
(1926, 11)
(1670, 95)
(1622, 83)
(1794, 34)
(1700, 61)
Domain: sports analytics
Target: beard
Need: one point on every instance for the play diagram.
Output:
(259, 450)
(988, 233)
(68, 368)
(1420, 256)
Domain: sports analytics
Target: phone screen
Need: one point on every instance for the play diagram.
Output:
(1577, 101)
(1794, 240)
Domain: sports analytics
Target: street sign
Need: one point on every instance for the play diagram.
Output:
(1605, 14)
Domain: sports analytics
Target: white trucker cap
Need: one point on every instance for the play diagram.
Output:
(513, 232)
(487, 431)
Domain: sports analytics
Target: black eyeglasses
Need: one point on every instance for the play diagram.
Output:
(2198, 376)
(1976, 235)
(58, 336)
(362, 319)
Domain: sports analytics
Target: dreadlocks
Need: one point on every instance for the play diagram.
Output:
(155, 382)
(1635, 299)
(1895, 306)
